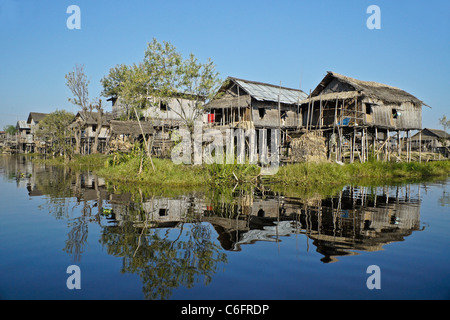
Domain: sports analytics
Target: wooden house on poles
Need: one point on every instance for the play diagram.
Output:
(259, 105)
(92, 131)
(255, 105)
(158, 116)
(431, 140)
(38, 145)
(358, 117)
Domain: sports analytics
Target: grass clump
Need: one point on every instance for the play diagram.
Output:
(302, 174)
(156, 172)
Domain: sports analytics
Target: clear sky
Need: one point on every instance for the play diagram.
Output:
(292, 41)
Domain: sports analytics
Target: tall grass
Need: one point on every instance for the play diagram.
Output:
(163, 172)
(331, 173)
(135, 168)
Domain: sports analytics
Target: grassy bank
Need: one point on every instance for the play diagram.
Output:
(303, 174)
(163, 173)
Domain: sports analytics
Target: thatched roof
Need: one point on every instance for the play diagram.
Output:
(90, 118)
(36, 116)
(432, 132)
(131, 127)
(370, 89)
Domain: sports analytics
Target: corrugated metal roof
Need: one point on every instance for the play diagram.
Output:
(22, 124)
(267, 92)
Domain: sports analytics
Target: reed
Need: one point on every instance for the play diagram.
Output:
(136, 168)
(331, 173)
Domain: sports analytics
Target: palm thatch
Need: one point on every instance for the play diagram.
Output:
(370, 89)
(133, 128)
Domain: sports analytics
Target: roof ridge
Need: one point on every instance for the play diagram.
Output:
(372, 83)
(265, 84)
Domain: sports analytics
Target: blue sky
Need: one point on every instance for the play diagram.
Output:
(292, 41)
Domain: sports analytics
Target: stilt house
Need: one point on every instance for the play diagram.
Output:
(356, 113)
(256, 105)
(244, 104)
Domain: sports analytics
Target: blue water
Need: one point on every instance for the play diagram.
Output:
(186, 250)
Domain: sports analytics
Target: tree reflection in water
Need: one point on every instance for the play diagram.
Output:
(180, 240)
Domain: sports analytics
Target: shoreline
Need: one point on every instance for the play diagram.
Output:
(128, 168)
(163, 173)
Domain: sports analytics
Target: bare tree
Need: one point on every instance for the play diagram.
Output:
(78, 84)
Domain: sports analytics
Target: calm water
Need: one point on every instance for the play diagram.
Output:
(232, 244)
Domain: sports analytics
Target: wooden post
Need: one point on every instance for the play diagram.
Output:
(363, 144)
(408, 149)
(320, 112)
(351, 150)
(340, 143)
(279, 124)
(388, 149)
(329, 145)
(239, 107)
(367, 144)
(279, 109)
(420, 146)
(375, 144)
(353, 144)
(307, 117)
(335, 112)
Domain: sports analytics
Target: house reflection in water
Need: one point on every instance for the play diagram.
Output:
(357, 219)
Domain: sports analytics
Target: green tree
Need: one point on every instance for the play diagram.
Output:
(53, 129)
(170, 76)
(111, 83)
(10, 129)
(164, 75)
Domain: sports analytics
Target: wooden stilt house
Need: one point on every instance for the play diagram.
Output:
(255, 104)
(359, 117)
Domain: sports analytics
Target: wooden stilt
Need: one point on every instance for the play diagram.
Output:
(375, 144)
(307, 116)
(363, 145)
(410, 145)
(420, 146)
(408, 149)
(388, 149)
(354, 144)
